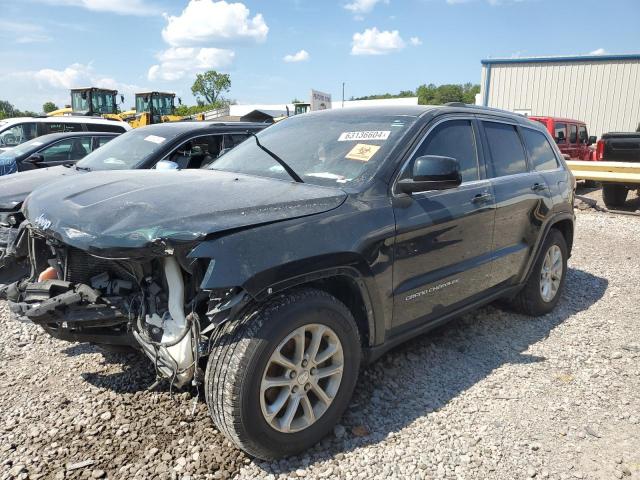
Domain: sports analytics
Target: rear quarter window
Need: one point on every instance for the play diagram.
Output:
(507, 152)
(540, 150)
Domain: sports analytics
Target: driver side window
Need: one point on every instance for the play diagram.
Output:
(71, 149)
(455, 139)
(196, 152)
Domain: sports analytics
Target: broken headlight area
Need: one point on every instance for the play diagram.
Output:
(153, 303)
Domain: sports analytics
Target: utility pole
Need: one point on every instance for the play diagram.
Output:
(342, 94)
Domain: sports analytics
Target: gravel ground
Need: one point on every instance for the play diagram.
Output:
(493, 395)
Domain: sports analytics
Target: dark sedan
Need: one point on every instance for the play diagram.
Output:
(52, 150)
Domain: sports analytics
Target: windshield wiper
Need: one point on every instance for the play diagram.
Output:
(84, 169)
(282, 163)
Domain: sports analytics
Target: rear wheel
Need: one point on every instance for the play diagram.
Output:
(278, 380)
(614, 195)
(544, 286)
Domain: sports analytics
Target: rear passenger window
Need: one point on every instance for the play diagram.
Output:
(454, 139)
(582, 134)
(115, 128)
(72, 127)
(560, 134)
(540, 151)
(507, 152)
(573, 134)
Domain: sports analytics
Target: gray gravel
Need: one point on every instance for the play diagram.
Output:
(493, 395)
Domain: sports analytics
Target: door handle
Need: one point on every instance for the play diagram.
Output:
(482, 197)
(538, 187)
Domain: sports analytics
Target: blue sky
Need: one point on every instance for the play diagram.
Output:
(276, 50)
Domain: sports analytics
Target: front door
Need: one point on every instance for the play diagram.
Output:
(442, 249)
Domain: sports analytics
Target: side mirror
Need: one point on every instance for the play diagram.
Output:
(432, 172)
(166, 165)
(35, 158)
(592, 139)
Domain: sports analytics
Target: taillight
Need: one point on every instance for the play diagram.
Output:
(600, 150)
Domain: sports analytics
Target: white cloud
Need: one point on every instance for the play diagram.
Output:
(599, 51)
(17, 32)
(206, 21)
(121, 7)
(30, 89)
(374, 42)
(177, 62)
(359, 7)
(300, 56)
(415, 41)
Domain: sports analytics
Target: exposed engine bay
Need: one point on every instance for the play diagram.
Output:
(154, 304)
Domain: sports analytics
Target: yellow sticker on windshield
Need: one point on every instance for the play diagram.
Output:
(362, 152)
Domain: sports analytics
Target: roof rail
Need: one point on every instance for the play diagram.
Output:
(456, 104)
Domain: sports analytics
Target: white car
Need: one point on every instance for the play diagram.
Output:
(14, 131)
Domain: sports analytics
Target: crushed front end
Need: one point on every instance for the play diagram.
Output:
(149, 299)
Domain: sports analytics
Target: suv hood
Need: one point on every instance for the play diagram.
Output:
(120, 210)
(15, 188)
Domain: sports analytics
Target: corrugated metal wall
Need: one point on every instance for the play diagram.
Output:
(604, 94)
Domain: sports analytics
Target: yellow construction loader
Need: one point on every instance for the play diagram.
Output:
(92, 101)
(155, 107)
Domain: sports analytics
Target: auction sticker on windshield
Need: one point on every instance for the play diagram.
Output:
(366, 135)
(154, 139)
(362, 152)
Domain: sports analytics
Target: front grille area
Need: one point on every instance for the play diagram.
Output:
(82, 267)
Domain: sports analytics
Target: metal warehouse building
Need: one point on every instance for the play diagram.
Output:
(602, 90)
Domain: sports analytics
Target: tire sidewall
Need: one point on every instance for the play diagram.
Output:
(286, 320)
(554, 238)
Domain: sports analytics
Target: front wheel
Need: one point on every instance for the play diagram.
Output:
(278, 380)
(544, 286)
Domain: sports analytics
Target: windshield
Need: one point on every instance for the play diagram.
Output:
(21, 149)
(163, 104)
(79, 102)
(323, 149)
(103, 102)
(126, 151)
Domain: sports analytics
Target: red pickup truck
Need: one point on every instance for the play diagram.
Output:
(571, 136)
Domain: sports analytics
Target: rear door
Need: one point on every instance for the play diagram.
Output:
(573, 147)
(522, 200)
(584, 150)
(442, 250)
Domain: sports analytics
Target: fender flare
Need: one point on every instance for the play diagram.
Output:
(533, 259)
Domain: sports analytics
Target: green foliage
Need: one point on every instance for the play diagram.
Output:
(9, 111)
(434, 94)
(49, 107)
(402, 94)
(210, 86)
(186, 110)
(295, 100)
(438, 95)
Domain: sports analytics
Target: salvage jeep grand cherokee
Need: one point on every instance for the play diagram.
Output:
(320, 243)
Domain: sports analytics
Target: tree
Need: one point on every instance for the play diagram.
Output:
(49, 107)
(438, 95)
(295, 100)
(211, 85)
(9, 111)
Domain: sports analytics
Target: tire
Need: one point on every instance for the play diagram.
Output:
(530, 299)
(242, 351)
(614, 195)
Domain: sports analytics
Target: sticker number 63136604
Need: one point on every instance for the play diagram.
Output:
(366, 135)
